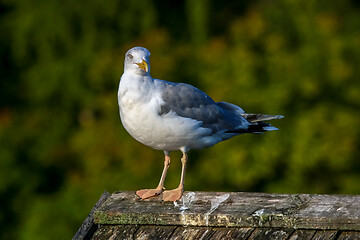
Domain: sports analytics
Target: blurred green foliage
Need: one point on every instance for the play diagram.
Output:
(61, 140)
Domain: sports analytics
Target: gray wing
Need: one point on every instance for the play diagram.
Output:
(189, 102)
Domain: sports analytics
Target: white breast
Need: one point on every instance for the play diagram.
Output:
(139, 103)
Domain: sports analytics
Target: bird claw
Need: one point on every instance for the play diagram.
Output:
(173, 195)
(148, 193)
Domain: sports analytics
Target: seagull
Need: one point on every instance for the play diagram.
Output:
(170, 116)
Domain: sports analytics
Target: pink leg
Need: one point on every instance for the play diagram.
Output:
(148, 193)
(176, 194)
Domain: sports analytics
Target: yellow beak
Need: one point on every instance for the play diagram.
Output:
(143, 65)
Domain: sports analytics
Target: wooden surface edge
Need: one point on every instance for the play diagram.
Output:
(87, 228)
(153, 212)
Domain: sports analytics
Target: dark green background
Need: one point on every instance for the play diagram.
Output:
(61, 140)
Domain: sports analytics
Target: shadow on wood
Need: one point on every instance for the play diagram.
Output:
(214, 215)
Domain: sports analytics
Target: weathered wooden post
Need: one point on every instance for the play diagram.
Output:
(216, 215)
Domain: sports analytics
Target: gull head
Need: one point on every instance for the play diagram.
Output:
(137, 60)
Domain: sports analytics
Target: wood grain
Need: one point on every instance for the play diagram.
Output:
(297, 211)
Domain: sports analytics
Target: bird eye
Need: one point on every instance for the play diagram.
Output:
(130, 56)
